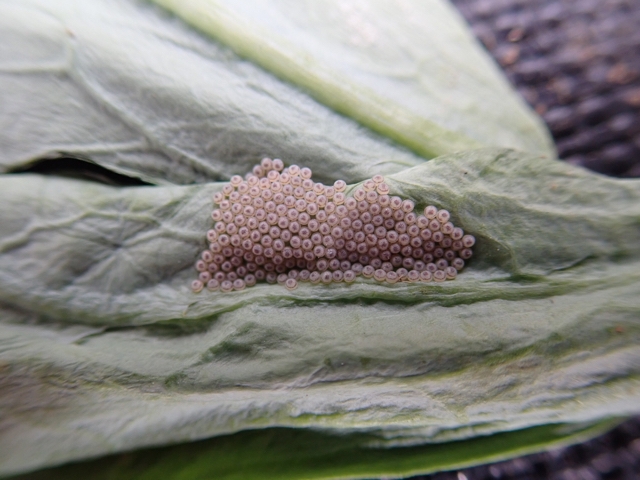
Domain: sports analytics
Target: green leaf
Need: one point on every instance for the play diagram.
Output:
(105, 349)
(259, 454)
(100, 325)
(410, 71)
(120, 84)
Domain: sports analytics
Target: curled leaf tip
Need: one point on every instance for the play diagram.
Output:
(278, 225)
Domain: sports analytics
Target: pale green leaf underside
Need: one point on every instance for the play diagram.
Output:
(410, 71)
(100, 326)
(125, 85)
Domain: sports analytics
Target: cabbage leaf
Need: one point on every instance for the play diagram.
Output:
(104, 348)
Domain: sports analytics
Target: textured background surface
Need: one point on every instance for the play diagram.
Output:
(577, 62)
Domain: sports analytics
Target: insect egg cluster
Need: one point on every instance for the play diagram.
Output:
(278, 225)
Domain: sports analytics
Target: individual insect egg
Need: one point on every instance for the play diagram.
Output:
(422, 222)
(227, 217)
(425, 276)
(330, 207)
(349, 276)
(402, 272)
(285, 179)
(238, 284)
(384, 200)
(197, 286)
(308, 185)
(314, 277)
(457, 263)
(356, 267)
(310, 196)
(303, 218)
(212, 235)
(359, 194)
(340, 186)
(443, 216)
(207, 256)
(395, 203)
(391, 277)
(437, 237)
(299, 192)
(334, 264)
(213, 285)
(250, 280)
(383, 189)
(282, 278)
(338, 198)
(277, 164)
(305, 173)
(218, 197)
(266, 163)
(398, 215)
(371, 197)
(226, 285)
(252, 180)
(318, 188)
(430, 212)
(407, 206)
(291, 284)
(227, 190)
(326, 277)
(404, 239)
(426, 234)
(451, 273)
(329, 192)
(419, 265)
(294, 170)
(408, 262)
(300, 205)
(224, 240)
(410, 218)
(276, 187)
(468, 241)
(439, 276)
(369, 186)
(264, 184)
(442, 264)
(434, 225)
(368, 271)
(273, 176)
(413, 276)
(449, 254)
(337, 276)
(350, 203)
(465, 253)
(312, 208)
(362, 207)
(379, 275)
